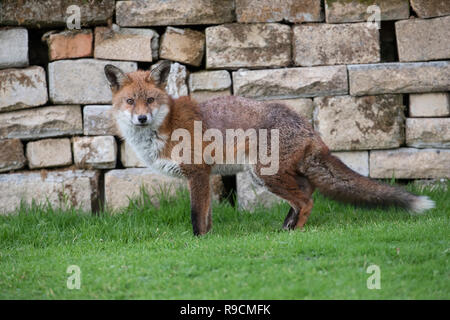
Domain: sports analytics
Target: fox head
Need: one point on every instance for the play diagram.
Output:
(139, 99)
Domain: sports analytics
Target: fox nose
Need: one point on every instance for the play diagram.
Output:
(142, 118)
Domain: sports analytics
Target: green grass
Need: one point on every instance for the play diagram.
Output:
(149, 253)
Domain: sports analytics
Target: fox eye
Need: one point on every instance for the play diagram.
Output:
(150, 100)
(130, 101)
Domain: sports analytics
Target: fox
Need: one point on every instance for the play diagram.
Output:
(147, 117)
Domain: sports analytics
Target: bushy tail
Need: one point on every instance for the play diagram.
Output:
(335, 180)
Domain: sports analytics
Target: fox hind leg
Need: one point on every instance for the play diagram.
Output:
(291, 219)
(302, 216)
(297, 191)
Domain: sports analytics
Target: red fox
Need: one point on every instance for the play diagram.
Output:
(148, 117)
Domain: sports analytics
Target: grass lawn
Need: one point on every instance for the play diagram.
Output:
(149, 253)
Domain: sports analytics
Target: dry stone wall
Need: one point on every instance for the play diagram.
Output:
(378, 97)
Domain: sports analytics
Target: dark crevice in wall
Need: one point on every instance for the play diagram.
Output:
(145, 65)
(388, 42)
(412, 13)
(119, 164)
(99, 205)
(230, 189)
(37, 50)
(406, 103)
(403, 182)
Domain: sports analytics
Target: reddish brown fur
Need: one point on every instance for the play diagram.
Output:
(305, 162)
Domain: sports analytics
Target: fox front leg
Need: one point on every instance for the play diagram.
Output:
(200, 204)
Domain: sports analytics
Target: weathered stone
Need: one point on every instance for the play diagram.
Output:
(399, 77)
(429, 105)
(55, 13)
(291, 82)
(209, 81)
(41, 122)
(14, 48)
(251, 195)
(98, 120)
(205, 85)
(356, 160)
(123, 185)
(183, 45)
(428, 133)
(11, 155)
(203, 96)
(129, 158)
(98, 152)
(248, 11)
(248, 45)
(69, 44)
(360, 123)
(173, 12)
(60, 189)
(82, 81)
(410, 163)
(430, 8)
(22, 88)
(338, 11)
(130, 44)
(321, 44)
(49, 153)
(422, 39)
(176, 81)
(302, 106)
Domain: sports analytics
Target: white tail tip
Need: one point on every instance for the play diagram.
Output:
(421, 204)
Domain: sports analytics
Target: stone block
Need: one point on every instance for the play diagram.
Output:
(430, 8)
(428, 133)
(321, 44)
(410, 163)
(60, 189)
(82, 81)
(98, 120)
(173, 12)
(251, 195)
(69, 44)
(125, 184)
(360, 123)
(248, 45)
(128, 44)
(249, 11)
(423, 39)
(42, 122)
(339, 11)
(22, 88)
(49, 153)
(358, 161)
(14, 48)
(205, 85)
(11, 155)
(429, 104)
(55, 13)
(183, 45)
(291, 82)
(129, 158)
(99, 152)
(368, 79)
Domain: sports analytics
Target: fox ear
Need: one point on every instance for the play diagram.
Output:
(160, 71)
(115, 76)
